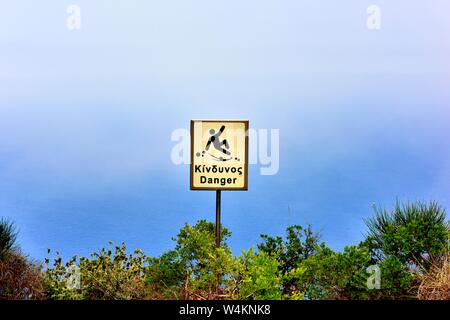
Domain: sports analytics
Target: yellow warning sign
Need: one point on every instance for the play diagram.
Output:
(219, 155)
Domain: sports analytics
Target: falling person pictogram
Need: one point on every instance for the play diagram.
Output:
(221, 146)
(214, 139)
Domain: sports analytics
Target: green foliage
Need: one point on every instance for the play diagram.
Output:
(401, 244)
(8, 236)
(255, 277)
(397, 281)
(205, 265)
(300, 243)
(166, 274)
(413, 232)
(195, 244)
(335, 275)
(195, 269)
(109, 274)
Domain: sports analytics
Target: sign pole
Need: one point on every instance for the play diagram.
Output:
(218, 195)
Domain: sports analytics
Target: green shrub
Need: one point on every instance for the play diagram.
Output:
(397, 280)
(110, 274)
(335, 275)
(166, 275)
(407, 244)
(254, 276)
(414, 233)
(195, 269)
(299, 244)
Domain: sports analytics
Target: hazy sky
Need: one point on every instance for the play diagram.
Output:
(86, 115)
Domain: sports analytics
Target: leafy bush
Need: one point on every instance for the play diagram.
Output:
(300, 244)
(407, 244)
(110, 274)
(397, 280)
(404, 242)
(415, 233)
(166, 275)
(195, 269)
(254, 277)
(335, 275)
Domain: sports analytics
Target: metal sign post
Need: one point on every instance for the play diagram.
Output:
(218, 239)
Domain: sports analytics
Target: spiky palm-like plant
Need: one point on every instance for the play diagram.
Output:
(8, 236)
(413, 232)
